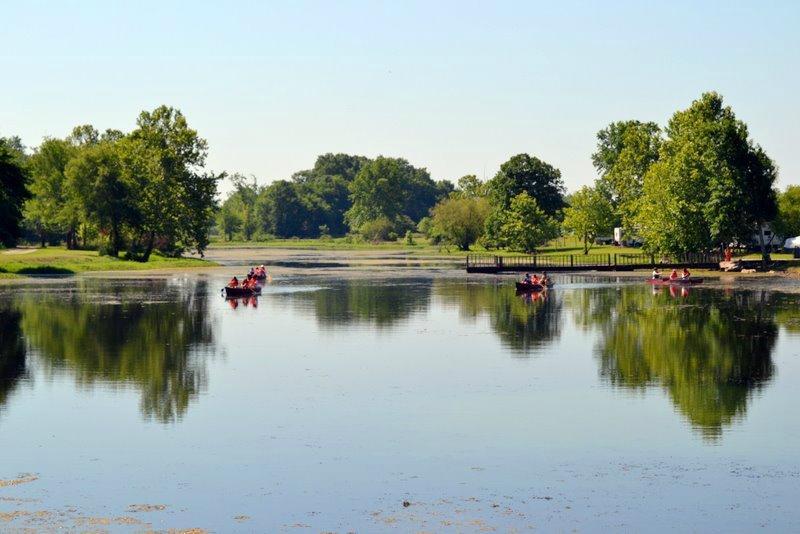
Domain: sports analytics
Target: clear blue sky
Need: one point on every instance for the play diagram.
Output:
(457, 87)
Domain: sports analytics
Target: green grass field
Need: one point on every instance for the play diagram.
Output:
(58, 260)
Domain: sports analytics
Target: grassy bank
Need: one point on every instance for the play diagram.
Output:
(422, 246)
(57, 260)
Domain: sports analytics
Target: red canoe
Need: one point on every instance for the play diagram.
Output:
(236, 292)
(677, 282)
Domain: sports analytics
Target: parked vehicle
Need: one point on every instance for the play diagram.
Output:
(791, 243)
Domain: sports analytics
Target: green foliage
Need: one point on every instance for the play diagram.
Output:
(625, 151)
(459, 220)
(409, 240)
(788, 220)
(243, 203)
(48, 212)
(95, 183)
(711, 185)
(469, 186)
(166, 157)
(528, 174)
(589, 215)
(525, 226)
(392, 189)
(380, 229)
(13, 190)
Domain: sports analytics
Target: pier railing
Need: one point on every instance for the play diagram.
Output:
(576, 262)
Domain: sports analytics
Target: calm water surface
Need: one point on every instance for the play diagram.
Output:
(325, 405)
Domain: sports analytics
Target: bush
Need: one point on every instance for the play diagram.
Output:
(409, 238)
(380, 229)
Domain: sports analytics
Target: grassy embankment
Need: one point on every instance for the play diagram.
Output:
(58, 260)
(421, 246)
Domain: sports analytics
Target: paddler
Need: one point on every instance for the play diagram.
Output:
(674, 274)
(545, 279)
(234, 282)
(527, 279)
(656, 274)
(686, 274)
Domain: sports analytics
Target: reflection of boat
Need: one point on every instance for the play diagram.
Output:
(524, 287)
(236, 292)
(677, 282)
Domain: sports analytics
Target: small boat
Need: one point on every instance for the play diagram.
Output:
(236, 292)
(677, 282)
(530, 288)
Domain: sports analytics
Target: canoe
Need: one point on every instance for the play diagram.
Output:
(522, 286)
(235, 292)
(678, 282)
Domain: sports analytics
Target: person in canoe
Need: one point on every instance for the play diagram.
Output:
(656, 274)
(234, 282)
(685, 274)
(674, 274)
(545, 281)
(527, 279)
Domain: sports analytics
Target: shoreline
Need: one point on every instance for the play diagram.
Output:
(322, 264)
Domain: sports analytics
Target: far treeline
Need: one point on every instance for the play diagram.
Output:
(695, 185)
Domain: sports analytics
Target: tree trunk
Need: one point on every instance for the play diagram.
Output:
(764, 252)
(151, 240)
(585, 245)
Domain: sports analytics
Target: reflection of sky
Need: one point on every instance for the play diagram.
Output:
(301, 417)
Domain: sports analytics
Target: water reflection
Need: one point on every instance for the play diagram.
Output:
(709, 351)
(123, 338)
(372, 302)
(524, 322)
(12, 352)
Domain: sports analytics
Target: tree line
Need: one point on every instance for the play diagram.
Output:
(696, 184)
(129, 193)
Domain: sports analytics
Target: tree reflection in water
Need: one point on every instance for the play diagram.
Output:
(12, 352)
(710, 351)
(161, 346)
(368, 301)
(524, 323)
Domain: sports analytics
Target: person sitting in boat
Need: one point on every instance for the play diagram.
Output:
(527, 279)
(545, 280)
(685, 274)
(234, 282)
(252, 273)
(656, 274)
(674, 274)
(535, 279)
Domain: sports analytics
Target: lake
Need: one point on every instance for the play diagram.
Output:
(412, 403)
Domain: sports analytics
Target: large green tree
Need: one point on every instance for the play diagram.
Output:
(525, 226)
(711, 184)
(459, 220)
(528, 174)
(95, 182)
(166, 157)
(588, 215)
(393, 189)
(13, 192)
(625, 151)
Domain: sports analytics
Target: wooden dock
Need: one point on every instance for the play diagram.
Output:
(487, 263)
